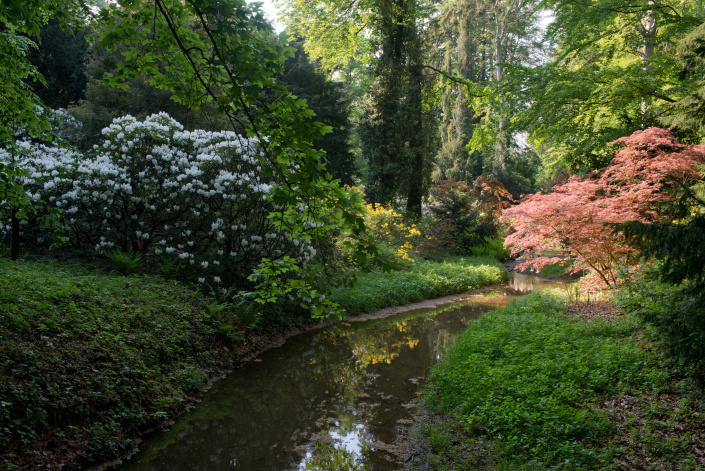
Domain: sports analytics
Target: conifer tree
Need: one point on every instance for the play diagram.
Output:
(395, 130)
(477, 40)
(59, 58)
(328, 100)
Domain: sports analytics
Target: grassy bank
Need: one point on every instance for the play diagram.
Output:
(89, 359)
(418, 281)
(530, 388)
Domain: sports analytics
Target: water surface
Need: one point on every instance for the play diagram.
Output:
(339, 398)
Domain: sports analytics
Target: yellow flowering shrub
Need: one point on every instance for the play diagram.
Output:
(388, 228)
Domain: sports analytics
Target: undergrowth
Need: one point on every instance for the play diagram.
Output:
(89, 359)
(527, 387)
(493, 247)
(417, 281)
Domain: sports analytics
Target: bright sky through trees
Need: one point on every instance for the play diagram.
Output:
(270, 11)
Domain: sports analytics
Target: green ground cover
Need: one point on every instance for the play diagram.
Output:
(417, 281)
(530, 388)
(494, 247)
(89, 359)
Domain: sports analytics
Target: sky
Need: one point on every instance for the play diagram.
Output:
(271, 13)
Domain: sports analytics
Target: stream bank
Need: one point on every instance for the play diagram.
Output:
(90, 359)
(340, 394)
(543, 384)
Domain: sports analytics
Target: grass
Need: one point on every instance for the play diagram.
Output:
(555, 270)
(493, 248)
(89, 359)
(418, 281)
(528, 387)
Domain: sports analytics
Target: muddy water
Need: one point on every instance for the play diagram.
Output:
(340, 398)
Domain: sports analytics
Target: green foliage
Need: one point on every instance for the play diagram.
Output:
(678, 245)
(677, 315)
(521, 381)
(59, 58)
(480, 40)
(689, 112)
(453, 202)
(677, 239)
(671, 297)
(492, 247)
(12, 192)
(554, 270)
(469, 213)
(397, 129)
(418, 281)
(20, 107)
(615, 71)
(136, 97)
(126, 262)
(89, 359)
(329, 101)
(337, 33)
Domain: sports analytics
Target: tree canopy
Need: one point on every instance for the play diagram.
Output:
(615, 71)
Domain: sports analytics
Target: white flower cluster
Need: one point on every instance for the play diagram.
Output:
(199, 197)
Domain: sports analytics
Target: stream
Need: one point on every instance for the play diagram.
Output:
(338, 398)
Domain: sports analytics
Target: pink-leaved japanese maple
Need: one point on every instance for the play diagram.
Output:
(577, 216)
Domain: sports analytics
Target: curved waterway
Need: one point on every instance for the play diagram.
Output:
(339, 398)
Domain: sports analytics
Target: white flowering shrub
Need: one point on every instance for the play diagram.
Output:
(202, 199)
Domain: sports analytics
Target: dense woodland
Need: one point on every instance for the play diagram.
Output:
(265, 177)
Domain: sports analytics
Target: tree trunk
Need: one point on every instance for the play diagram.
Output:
(416, 184)
(649, 33)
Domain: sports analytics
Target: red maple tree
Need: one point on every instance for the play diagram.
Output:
(648, 171)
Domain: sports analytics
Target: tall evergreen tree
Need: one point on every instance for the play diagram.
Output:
(394, 130)
(329, 101)
(59, 57)
(477, 39)
(461, 32)
(687, 115)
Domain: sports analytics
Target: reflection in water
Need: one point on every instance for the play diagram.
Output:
(526, 283)
(338, 452)
(335, 399)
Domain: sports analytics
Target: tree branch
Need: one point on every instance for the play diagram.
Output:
(453, 78)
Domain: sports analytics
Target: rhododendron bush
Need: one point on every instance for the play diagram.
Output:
(579, 215)
(206, 200)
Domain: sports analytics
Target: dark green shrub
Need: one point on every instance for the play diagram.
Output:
(675, 312)
(469, 213)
